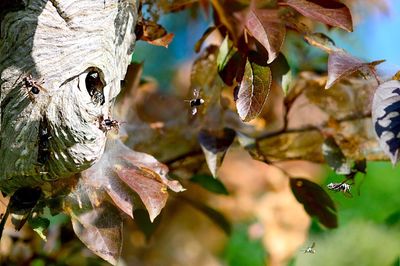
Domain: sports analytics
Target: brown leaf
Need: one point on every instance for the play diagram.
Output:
(315, 200)
(163, 41)
(214, 144)
(151, 191)
(96, 223)
(341, 65)
(331, 12)
(153, 33)
(122, 173)
(266, 27)
(321, 41)
(253, 90)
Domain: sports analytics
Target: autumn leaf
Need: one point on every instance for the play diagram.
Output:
(97, 223)
(214, 144)
(385, 118)
(341, 65)
(253, 90)
(321, 41)
(331, 12)
(315, 200)
(266, 27)
(153, 33)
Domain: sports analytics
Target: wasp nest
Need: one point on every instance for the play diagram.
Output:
(61, 63)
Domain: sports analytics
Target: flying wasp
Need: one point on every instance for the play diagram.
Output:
(310, 249)
(196, 101)
(340, 187)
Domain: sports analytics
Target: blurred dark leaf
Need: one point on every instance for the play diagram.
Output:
(393, 219)
(315, 200)
(253, 90)
(39, 225)
(341, 64)
(330, 12)
(360, 166)
(199, 43)
(386, 119)
(227, 61)
(396, 262)
(142, 220)
(97, 224)
(214, 144)
(334, 157)
(214, 215)
(266, 27)
(210, 183)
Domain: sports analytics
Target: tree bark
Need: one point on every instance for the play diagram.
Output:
(61, 63)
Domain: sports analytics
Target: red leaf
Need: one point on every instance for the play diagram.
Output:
(341, 64)
(266, 27)
(151, 191)
(253, 90)
(329, 12)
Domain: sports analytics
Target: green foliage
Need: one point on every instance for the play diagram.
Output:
(242, 251)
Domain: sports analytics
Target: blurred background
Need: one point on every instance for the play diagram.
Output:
(369, 222)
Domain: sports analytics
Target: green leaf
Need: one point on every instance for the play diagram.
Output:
(315, 200)
(39, 225)
(253, 90)
(227, 61)
(210, 183)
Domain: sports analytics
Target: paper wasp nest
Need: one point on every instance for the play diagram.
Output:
(61, 63)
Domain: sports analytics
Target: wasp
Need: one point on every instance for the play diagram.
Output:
(310, 249)
(33, 87)
(108, 124)
(340, 187)
(196, 101)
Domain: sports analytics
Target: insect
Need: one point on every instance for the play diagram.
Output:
(310, 249)
(33, 87)
(108, 124)
(342, 187)
(196, 101)
(94, 86)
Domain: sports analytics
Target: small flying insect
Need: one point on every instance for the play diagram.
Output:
(33, 87)
(196, 101)
(310, 249)
(340, 187)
